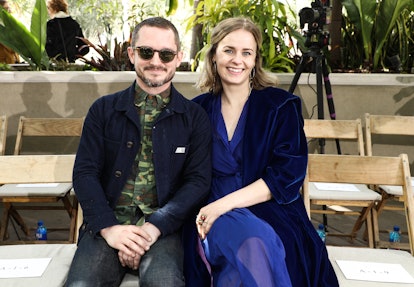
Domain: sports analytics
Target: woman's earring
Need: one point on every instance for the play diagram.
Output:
(252, 75)
(214, 77)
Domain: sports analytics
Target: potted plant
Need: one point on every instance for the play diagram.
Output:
(29, 44)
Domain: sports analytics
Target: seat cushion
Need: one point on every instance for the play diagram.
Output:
(395, 190)
(335, 191)
(36, 189)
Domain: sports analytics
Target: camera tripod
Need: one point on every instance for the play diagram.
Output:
(318, 61)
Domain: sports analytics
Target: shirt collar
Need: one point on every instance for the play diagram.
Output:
(162, 98)
(61, 14)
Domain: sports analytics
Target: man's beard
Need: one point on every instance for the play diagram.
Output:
(153, 84)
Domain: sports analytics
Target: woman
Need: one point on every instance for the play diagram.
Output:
(254, 231)
(63, 33)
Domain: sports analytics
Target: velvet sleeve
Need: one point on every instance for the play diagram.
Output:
(286, 167)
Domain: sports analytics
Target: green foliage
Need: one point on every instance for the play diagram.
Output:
(107, 18)
(270, 15)
(4, 67)
(377, 25)
(29, 44)
(119, 61)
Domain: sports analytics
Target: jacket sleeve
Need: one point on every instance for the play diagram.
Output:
(286, 166)
(89, 170)
(194, 178)
(82, 47)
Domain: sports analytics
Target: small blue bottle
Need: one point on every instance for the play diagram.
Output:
(395, 238)
(41, 231)
(321, 232)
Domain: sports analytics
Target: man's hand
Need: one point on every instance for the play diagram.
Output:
(130, 261)
(140, 237)
(130, 240)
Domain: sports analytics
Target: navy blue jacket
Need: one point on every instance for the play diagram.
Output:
(108, 146)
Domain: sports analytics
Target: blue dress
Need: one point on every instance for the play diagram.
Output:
(272, 243)
(242, 249)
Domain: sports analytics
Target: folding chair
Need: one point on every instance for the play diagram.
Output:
(362, 170)
(348, 132)
(63, 129)
(34, 170)
(378, 129)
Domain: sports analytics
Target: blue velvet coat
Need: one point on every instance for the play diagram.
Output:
(274, 149)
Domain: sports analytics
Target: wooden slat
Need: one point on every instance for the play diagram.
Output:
(52, 126)
(345, 129)
(336, 129)
(36, 168)
(392, 125)
(47, 127)
(355, 169)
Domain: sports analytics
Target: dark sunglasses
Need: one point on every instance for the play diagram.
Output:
(146, 53)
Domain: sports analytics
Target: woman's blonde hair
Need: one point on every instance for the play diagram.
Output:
(210, 80)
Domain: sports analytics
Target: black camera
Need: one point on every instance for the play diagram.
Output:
(317, 18)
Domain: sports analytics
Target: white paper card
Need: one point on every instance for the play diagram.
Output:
(373, 271)
(19, 268)
(180, 149)
(336, 186)
(37, 185)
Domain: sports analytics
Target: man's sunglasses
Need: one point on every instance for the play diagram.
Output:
(146, 53)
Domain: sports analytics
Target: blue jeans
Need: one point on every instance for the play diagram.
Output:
(96, 263)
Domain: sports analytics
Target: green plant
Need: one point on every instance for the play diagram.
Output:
(4, 67)
(400, 42)
(29, 44)
(369, 28)
(119, 61)
(270, 15)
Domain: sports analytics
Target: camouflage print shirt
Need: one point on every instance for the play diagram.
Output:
(139, 196)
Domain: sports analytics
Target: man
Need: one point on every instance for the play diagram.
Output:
(142, 167)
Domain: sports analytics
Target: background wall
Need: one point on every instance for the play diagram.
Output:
(69, 94)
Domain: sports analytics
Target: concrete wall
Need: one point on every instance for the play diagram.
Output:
(69, 94)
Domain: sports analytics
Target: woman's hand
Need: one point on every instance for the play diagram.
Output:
(208, 215)
(254, 193)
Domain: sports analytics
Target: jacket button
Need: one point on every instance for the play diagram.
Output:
(118, 173)
(130, 144)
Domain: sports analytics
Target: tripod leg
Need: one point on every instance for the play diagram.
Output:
(299, 71)
(329, 98)
(321, 116)
(319, 100)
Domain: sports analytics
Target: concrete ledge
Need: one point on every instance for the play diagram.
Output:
(69, 94)
(190, 77)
